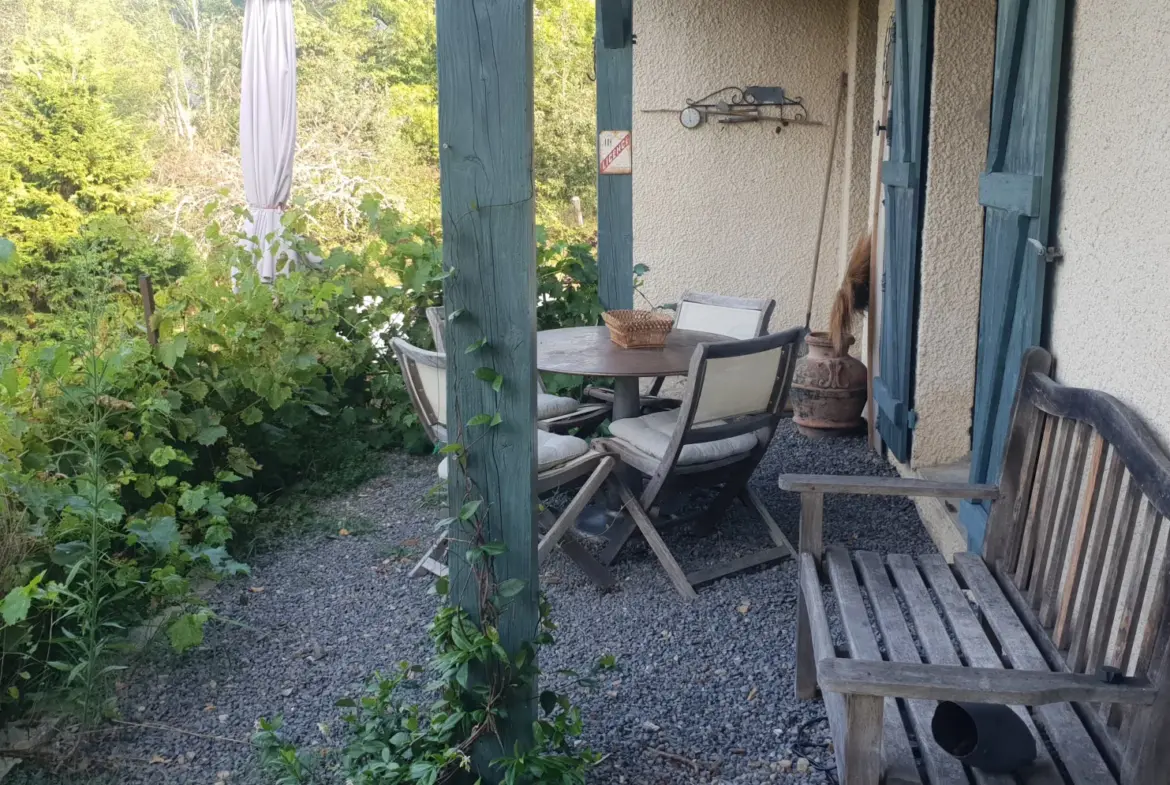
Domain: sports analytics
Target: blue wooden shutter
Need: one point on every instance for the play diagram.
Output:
(904, 176)
(1016, 190)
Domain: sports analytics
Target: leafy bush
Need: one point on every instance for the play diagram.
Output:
(130, 472)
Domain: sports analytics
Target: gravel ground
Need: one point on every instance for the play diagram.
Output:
(708, 681)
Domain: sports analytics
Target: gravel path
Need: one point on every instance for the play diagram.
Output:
(708, 681)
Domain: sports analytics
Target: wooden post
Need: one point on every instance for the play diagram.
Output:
(489, 242)
(147, 290)
(615, 192)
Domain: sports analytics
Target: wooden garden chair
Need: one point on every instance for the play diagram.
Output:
(734, 397)
(735, 317)
(561, 460)
(555, 413)
(1072, 581)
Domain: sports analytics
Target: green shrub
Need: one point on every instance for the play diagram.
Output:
(129, 472)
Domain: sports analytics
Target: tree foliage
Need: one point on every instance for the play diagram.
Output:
(169, 71)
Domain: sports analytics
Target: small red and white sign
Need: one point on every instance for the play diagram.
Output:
(615, 152)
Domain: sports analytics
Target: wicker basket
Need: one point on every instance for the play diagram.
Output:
(638, 329)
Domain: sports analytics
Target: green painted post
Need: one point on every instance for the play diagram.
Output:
(615, 192)
(486, 184)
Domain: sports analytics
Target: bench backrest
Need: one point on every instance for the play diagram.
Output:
(1081, 530)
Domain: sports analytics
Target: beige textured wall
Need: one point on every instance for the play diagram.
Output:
(1109, 304)
(952, 229)
(733, 208)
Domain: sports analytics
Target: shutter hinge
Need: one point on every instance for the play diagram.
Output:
(1049, 254)
(912, 419)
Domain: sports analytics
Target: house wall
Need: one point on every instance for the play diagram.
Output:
(952, 229)
(1109, 301)
(733, 209)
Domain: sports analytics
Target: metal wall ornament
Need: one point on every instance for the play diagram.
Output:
(755, 104)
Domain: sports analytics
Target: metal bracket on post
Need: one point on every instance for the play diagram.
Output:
(1049, 253)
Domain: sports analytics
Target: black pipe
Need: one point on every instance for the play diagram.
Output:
(986, 736)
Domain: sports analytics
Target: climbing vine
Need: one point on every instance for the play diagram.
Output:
(475, 679)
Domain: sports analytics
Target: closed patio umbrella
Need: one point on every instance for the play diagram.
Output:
(268, 127)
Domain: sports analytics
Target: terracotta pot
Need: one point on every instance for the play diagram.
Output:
(828, 389)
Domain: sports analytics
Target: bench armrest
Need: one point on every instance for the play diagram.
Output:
(885, 486)
(978, 685)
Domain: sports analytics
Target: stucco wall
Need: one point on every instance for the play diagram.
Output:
(1109, 300)
(733, 208)
(952, 229)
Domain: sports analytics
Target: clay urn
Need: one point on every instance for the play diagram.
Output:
(828, 388)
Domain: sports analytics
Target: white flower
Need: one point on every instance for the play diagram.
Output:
(368, 302)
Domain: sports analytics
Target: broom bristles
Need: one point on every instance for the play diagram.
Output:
(852, 297)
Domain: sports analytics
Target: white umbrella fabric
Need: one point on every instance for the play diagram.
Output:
(268, 127)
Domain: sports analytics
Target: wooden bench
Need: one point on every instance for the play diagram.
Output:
(1073, 578)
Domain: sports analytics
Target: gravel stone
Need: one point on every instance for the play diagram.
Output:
(708, 682)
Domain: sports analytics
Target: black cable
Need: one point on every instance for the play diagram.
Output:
(805, 748)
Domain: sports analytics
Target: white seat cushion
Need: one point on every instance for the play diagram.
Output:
(552, 450)
(554, 406)
(651, 434)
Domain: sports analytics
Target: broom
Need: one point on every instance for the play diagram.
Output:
(852, 297)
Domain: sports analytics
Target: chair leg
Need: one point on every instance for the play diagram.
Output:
(860, 763)
(569, 516)
(654, 539)
(432, 560)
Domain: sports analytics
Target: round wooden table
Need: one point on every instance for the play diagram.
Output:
(588, 351)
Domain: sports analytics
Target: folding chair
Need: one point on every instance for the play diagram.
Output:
(554, 413)
(735, 317)
(561, 459)
(734, 396)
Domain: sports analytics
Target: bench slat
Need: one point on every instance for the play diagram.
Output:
(936, 642)
(1113, 570)
(1027, 547)
(1088, 591)
(940, 767)
(1069, 737)
(1056, 551)
(1124, 634)
(898, 757)
(1075, 562)
(1031, 575)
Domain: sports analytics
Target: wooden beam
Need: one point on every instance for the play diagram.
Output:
(884, 486)
(489, 243)
(979, 685)
(615, 192)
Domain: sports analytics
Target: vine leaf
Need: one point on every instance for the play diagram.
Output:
(496, 420)
(468, 511)
(476, 346)
(510, 588)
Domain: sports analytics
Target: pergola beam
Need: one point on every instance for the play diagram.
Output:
(487, 190)
(615, 192)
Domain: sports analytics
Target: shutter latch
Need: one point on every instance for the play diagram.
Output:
(1049, 254)
(912, 419)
